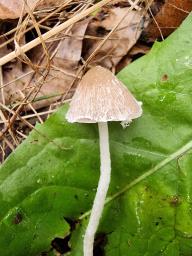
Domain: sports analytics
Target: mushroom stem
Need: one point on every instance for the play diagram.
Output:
(98, 205)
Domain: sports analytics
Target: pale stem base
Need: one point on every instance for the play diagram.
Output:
(98, 205)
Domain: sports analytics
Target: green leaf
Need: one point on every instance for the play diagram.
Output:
(48, 184)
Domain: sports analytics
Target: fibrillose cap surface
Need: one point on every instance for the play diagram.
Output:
(101, 97)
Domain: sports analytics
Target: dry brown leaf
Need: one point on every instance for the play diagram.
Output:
(122, 39)
(62, 72)
(12, 9)
(170, 16)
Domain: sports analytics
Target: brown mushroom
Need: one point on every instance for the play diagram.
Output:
(99, 98)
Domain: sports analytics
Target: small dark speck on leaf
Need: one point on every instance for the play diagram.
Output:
(174, 201)
(156, 223)
(76, 197)
(34, 141)
(164, 77)
(18, 218)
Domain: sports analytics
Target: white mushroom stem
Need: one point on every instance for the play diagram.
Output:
(99, 201)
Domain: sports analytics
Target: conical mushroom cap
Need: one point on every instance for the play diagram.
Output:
(101, 97)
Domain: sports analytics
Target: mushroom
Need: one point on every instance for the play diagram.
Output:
(100, 97)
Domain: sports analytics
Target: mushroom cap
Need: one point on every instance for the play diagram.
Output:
(101, 97)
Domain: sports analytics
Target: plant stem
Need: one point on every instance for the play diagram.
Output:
(99, 201)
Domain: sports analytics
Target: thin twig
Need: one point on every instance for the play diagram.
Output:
(21, 134)
(52, 32)
(1, 83)
(156, 23)
(32, 108)
(180, 9)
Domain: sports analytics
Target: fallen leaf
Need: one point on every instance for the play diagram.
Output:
(122, 39)
(168, 18)
(12, 9)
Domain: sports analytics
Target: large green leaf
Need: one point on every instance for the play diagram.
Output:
(48, 184)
